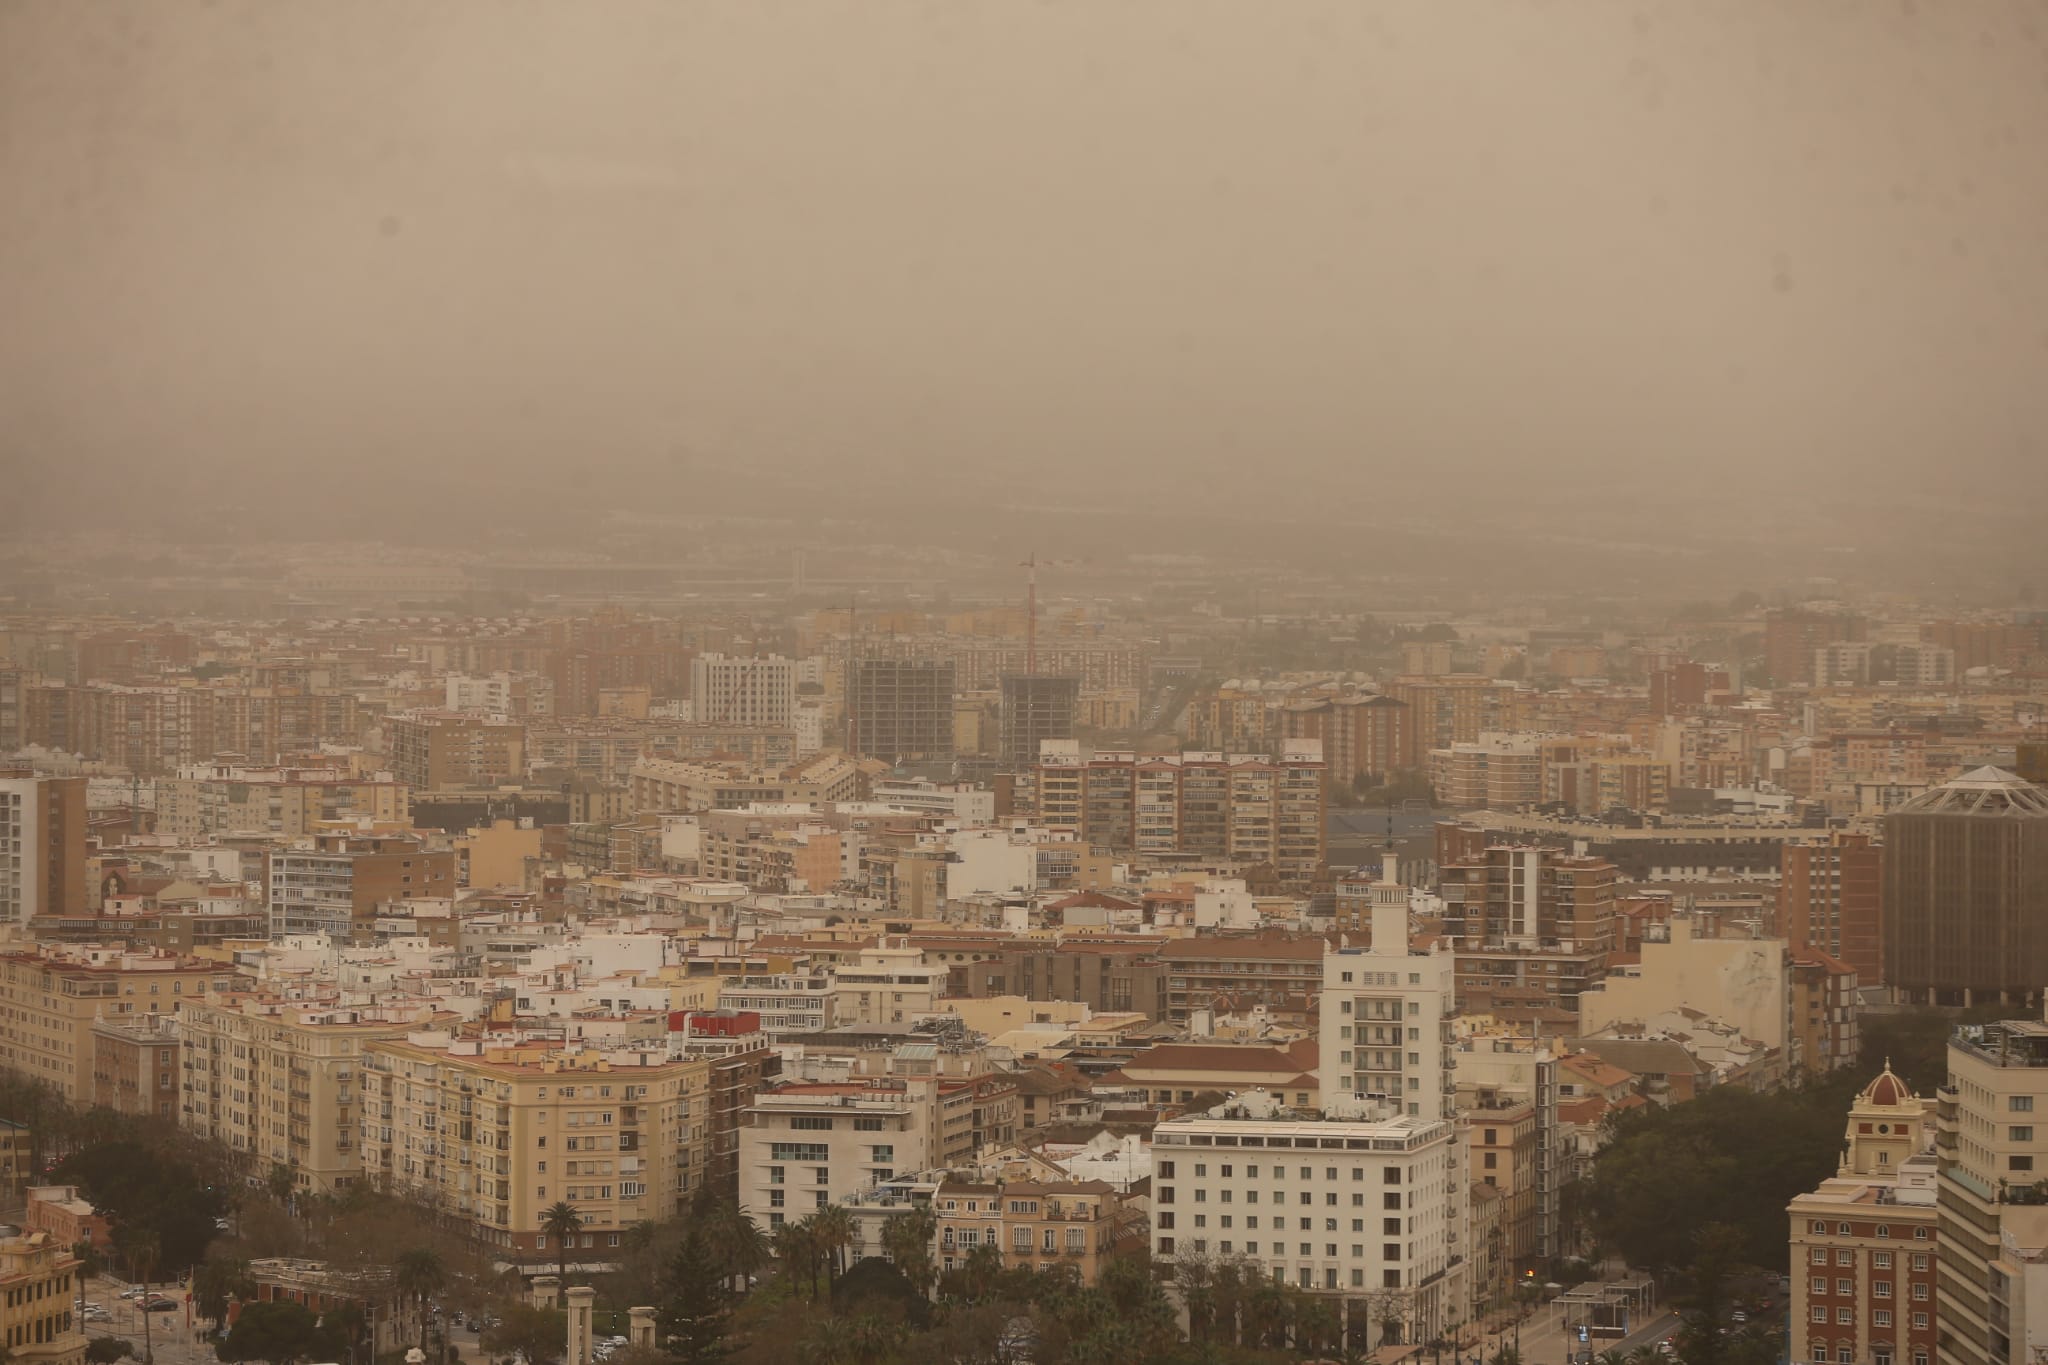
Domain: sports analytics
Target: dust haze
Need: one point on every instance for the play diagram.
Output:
(1734, 274)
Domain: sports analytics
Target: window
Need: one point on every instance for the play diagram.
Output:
(1920, 1292)
(1845, 1355)
(1919, 1260)
(1820, 1284)
(1882, 1317)
(1880, 1260)
(1881, 1289)
(1845, 1258)
(1818, 1228)
(1919, 1325)
(1819, 1314)
(2021, 1104)
(1201, 1220)
(1841, 1229)
(1846, 1288)
(1919, 1234)
(1845, 1317)
(2019, 1163)
(1819, 1256)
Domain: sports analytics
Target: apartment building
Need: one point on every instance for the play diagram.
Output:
(1865, 1245)
(447, 750)
(1035, 1224)
(1453, 709)
(279, 1082)
(742, 1063)
(732, 689)
(1503, 772)
(1508, 1092)
(38, 1317)
(657, 784)
(1991, 1290)
(136, 1066)
(886, 985)
(805, 1145)
(1262, 969)
(334, 883)
(787, 1004)
(496, 1128)
(42, 846)
(1364, 738)
(1830, 897)
(1191, 805)
(50, 998)
(224, 798)
(1108, 980)
(1516, 896)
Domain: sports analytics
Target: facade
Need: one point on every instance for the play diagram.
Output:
(447, 750)
(220, 798)
(335, 886)
(1106, 981)
(1864, 1247)
(1830, 897)
(1265, 969)
(38, 1308)
(806, 1145)
(1991, 1298)
(1200, 806)
(729, 689)
(1516, 896)
(1965, 905)
(658, 784)
(1364, 738)
(55, 996)
(886, 986)
(901, 709)
(280, 1084)
(1037, 1225)
(496, 1129)
(742, 1063)
(42, 846)
(1508, 1093)
(135, 1065)
(1036, 707)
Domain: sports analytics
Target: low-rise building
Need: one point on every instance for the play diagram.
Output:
(1037, 1225)
(135, 1064)
(38, 1301)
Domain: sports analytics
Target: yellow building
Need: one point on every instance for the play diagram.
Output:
(38, 1293)
(278, 1082)
(49, 999)
(498, 1128)
(1036, 1224)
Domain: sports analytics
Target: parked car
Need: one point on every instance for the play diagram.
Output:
(135, 1291)
(159, 1306)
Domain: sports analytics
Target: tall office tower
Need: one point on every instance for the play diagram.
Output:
(42, 822)
(732, 689)
(901, 708)
(1965, 917)
(1830, 897)
(1036, 707)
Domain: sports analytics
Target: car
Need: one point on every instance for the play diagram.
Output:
(135, 1291)
(1738, 1317)
(159, 1306)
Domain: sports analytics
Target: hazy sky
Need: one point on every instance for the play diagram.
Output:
(1186, 247)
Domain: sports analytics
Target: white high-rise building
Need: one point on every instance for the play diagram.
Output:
(752, 689)
(1365, 1199)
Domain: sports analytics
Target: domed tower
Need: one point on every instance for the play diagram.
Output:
(1885, 1127)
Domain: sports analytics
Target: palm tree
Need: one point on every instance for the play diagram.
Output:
(561, 1222)
(141, 1253)
(834, 1228)
(734, 1240)
(417, 1275)
(907, 1238)
(1611, 1357)
(281, 1184)
(794, 1251)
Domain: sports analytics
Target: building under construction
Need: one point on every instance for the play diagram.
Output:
(901, 709)
(1036, 707)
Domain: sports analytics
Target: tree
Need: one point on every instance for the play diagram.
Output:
(140, 1249)
(732, 1239)
(833, 1227)
(1718, 1253)
(281, 1183)
(561, 1222)
(218, 1281)
(418, 1274)
(539, 1334)
(107, 1350)
(907, 1239)
(796, 1251)
(696, 1315)
(278, 1333)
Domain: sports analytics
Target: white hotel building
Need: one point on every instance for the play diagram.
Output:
(1365, 1200)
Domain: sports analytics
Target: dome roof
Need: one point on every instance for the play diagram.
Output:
(1887, 1090)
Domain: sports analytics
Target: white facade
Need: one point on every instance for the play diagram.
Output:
(492, 695)
(1385, 1016)
(786, 1004)
(887, 986)
(727, 689)
(990, 862)
(809, 722)
(804, 1147)
(1745, 982)
(1353, 1208)
(21, 846)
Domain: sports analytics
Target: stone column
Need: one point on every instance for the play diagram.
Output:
(544, 1290)
(641, 1332)
(582, 1309)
